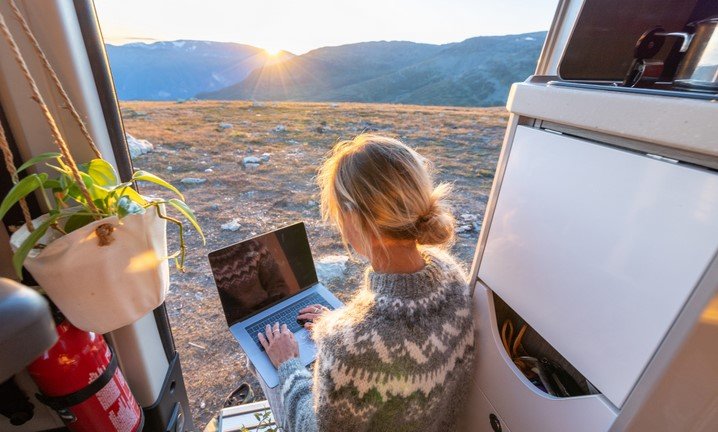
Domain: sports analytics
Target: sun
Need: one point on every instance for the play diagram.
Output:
(272, 52)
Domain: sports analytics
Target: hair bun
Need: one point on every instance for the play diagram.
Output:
(436, 226)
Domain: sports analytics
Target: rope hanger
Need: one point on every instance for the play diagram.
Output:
(48, 67)
(10, 165)
(37, 97)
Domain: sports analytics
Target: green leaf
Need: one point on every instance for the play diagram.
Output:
(100, 203)
(67, 181)
(125, 206)
(21, 189)
(77, 221)
(187, 212)
(37, 159)
(135, 196)
(148, 177)
(73, 189)
(120, 186)
(66, 172)
(53, 184)
(21, 253)
(101, 171)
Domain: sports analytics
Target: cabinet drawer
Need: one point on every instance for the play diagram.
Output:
(482, 416)
(598, 249)
(520, 405)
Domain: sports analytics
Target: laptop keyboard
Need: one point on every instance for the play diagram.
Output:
(287, 316)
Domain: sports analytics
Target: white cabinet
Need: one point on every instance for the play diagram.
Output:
(521, 406)
(598, 249)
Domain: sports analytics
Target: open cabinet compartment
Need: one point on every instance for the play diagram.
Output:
(501, 389)
(534, 345)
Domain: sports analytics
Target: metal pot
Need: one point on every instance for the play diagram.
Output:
(699, 68)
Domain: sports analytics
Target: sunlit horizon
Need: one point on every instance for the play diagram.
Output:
(299, 27)
(273, 52)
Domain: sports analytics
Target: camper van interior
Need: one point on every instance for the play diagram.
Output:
(595, 276)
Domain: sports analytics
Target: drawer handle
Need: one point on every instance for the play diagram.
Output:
(495, 423)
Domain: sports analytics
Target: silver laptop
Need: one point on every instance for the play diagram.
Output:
(268, 279)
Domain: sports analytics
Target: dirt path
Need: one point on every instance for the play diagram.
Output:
(209, 141)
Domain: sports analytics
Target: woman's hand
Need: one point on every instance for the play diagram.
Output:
(279, 343)
(310, 314)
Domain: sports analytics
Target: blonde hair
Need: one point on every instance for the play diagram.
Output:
(386, 190)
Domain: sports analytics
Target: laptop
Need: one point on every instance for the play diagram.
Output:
(268, 279)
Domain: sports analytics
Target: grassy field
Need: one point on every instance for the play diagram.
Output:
(463, 144)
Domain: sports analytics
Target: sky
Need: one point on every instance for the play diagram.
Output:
(299, 26)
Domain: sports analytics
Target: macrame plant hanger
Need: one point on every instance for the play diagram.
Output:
(54, 130)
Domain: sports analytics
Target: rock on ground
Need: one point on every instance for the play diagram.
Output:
(193, 180)
(331, 267)
(138, 147)
(468, 217)
(461, 229)
(232, 225)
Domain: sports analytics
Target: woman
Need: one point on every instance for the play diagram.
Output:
(398, 356)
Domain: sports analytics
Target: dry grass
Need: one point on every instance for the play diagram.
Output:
(463, 143)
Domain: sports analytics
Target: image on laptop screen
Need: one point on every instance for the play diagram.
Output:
(257, 273)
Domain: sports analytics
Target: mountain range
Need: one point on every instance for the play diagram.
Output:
(181, 69)
(475, 72)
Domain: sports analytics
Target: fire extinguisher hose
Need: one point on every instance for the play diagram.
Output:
(63, 402)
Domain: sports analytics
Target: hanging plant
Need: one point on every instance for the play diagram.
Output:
(70, 209)
(100, 252)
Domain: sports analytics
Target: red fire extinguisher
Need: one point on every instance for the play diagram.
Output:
(79, 378)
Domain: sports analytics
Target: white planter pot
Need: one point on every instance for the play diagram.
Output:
(103, 288)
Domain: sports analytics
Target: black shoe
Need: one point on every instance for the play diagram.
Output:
(240, 396)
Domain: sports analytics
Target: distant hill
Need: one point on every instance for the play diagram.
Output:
(181, 69)
(475, 72)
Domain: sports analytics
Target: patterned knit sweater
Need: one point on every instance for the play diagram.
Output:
(398, 357)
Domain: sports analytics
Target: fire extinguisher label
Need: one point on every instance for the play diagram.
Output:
(125, 418)
(108, 395)
(128, 413)
(122, 410)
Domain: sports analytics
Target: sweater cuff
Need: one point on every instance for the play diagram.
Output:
(288, 368)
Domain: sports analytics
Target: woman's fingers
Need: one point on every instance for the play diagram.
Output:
(268, 331)
(308, 325)
(284, 329)
(263, 341)
(309, 308)
(311, 313)
(315, 308)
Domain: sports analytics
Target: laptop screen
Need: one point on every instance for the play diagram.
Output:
(259, 272)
